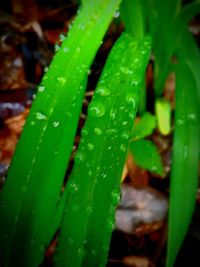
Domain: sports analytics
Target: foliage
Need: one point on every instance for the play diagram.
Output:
(32, 199)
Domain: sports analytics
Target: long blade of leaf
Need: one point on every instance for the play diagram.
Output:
(184, 176)
(35, 177)
(93, 189)
(171, 32)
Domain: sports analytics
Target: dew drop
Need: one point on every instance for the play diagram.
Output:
(122, 147)
(90, 146)
(62, 37)
(80, 157)
(56, 124)
(113, 114)
(115, 196)
(110, 131)
(73, 187)
(81, 26)
(103, 91)
(84, 132)
(40, 116)
(192, 117)
(130, 99)
(78, 49)
(90, 173)
(89, 209)
(134, 82)
(98, 131)
(94, 252)
(41, 88)
(131, 114)
(89, 71)
(125, 135)
(46, 69)
(66, 49)
(61, 80)
(57, 47)
(32, 123)
(97, 109)
(124, 123)
(81, 252)
(154, 168)
(117, 14)
(180, 122)
(110, 224)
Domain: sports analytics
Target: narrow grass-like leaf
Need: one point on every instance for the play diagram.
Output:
(170, 32)
(133, 16)
(94, 186)
(146, 155)
(31, 193)
(163, 114)
(189, 51)
(184, 175)
(144, 127)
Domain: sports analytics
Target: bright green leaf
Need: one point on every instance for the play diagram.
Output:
(146, 155)
(185, 160)
(144, 127)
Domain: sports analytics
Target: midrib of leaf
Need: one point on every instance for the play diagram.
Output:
(51, 104)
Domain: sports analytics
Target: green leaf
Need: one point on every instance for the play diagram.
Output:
(185, 160)
(132, 13)
(188, 50)
(94, 185)
(146, 155)
(31, 195)
(144, 127)
(165, 44)
(163, 114)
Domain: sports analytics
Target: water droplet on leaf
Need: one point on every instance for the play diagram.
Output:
(130, 99)
(41, 88)
(61, 80)
(56, 124)
(97, 109)
(103, 91)
(122, 147)
(66, 49)
(40, 116)
(80, 157)
(90, 146)
(98, 131)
